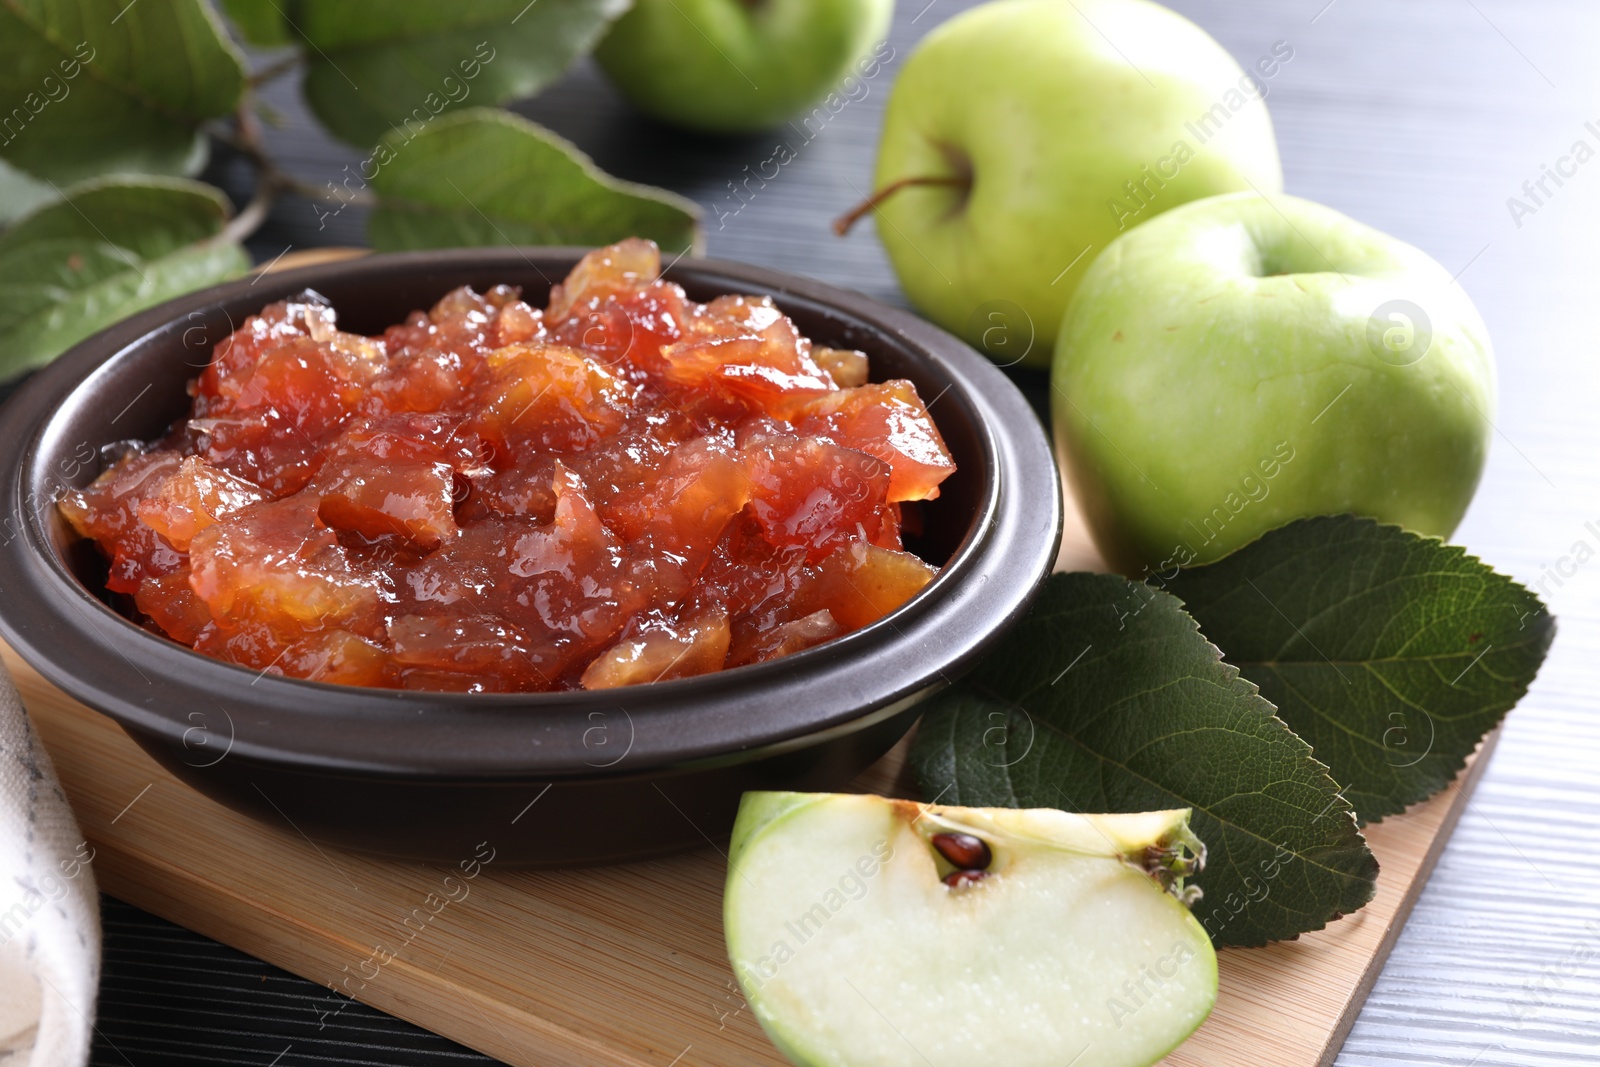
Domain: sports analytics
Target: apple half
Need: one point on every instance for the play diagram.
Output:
(870, 932)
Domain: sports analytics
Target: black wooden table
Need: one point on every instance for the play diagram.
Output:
(1421, 118)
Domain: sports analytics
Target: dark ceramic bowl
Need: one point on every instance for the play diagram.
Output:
(546, 779)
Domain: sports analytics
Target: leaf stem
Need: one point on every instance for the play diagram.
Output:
(842, 224)
(271, 180)
(273, 71)
(254, 214)
(247, 136)
(246, 140)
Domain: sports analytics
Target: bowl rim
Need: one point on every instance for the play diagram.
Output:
(146, 682)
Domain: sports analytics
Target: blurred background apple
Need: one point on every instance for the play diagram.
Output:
(730, 66)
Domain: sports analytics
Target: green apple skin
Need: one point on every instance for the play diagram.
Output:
(1026, 969)
(1224, 369)
(1051, 107)
(735, 66)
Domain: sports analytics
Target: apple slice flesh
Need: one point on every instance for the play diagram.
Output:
(1073, 947)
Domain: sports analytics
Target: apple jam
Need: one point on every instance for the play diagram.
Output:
(624, 486)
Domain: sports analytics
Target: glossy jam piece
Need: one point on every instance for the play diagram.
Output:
(338, 657)
(889, 421)
(748, 351)
(815, 495)
(698, 646)
(525, 489)
(171, 604)
(784, 638)
(860, 584)
(549, 398)
(568, 585)
(614, 307)
(847, 367)
(622, 487)
(692, 496)
(398, 479)
(278, 566)
(236, 357)
(270, 420)
(749, 573)
(424, 381)
(195, 496)
(624, 269)
(109, 512)
(472, 646)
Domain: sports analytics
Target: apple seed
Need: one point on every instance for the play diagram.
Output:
(963, 879)
(965, 851)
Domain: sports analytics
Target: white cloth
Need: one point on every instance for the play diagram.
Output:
(49, 909)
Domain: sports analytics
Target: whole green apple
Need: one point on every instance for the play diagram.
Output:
(1243, 361)
(1022, 136)
(730, 66)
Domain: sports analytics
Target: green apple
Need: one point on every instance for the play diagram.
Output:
(885, 933)
(731, 66)
(1022, 136)
(1244, 361)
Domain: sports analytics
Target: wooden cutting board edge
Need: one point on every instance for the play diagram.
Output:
(1457, 794)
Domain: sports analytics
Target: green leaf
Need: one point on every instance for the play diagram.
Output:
(109, 248)
(369, 73)
(261, 22)
(1392, 653)
(1107, 699)
(487, 177)
(96, 86)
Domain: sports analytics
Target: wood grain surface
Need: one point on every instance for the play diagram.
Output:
(1423, 118)
(604, 967)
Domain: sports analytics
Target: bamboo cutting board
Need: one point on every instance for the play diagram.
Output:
(603, 967)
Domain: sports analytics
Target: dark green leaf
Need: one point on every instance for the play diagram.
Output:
(1106, 699)
(369, 72)
(95, 86)
(486, 177)
(108, 249)
(1392, 653)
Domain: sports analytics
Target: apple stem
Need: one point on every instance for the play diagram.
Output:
(842, 224)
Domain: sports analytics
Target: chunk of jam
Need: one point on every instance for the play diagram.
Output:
(623, 487)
